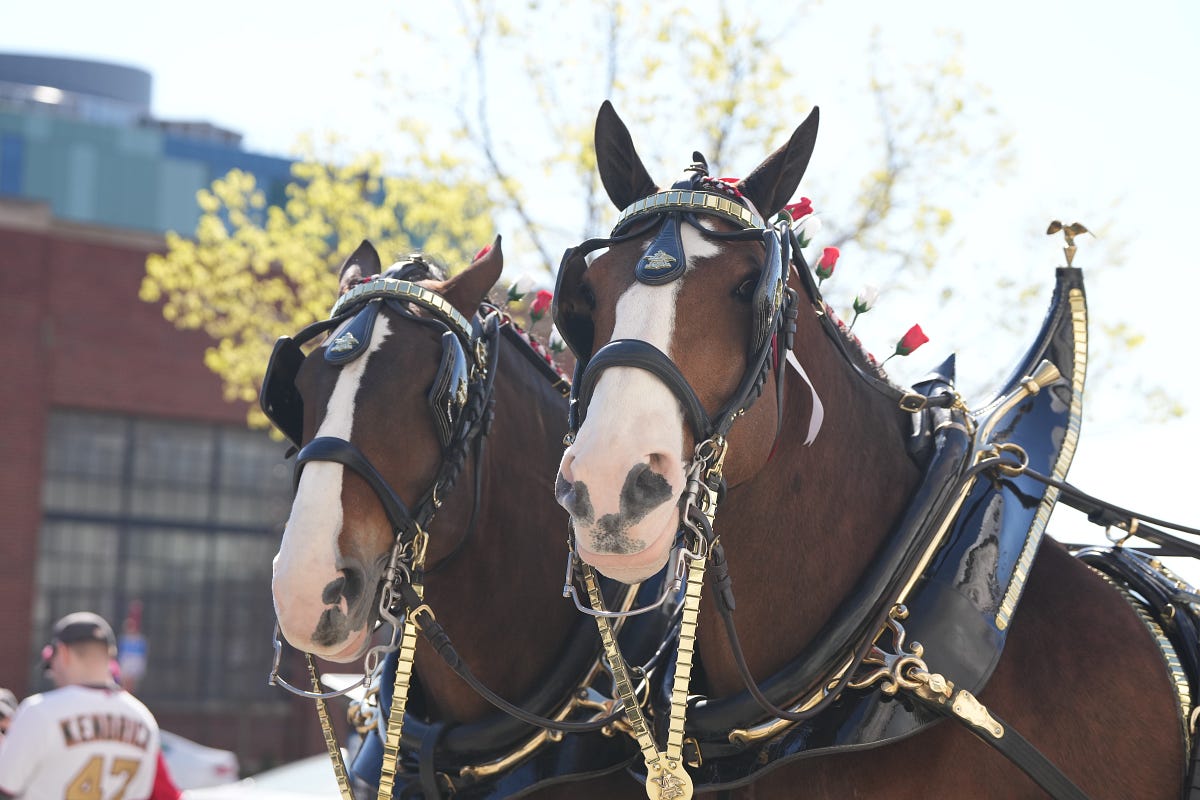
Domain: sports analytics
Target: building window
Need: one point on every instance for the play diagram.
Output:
(12, 163)
(181, 517)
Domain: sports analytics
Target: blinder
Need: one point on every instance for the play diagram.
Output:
(280, 399)
(448, 395)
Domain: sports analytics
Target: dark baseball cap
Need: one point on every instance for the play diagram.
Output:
(83, 626)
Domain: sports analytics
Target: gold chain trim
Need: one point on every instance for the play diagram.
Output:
(395, 724)
(335, 752)
(666, 778)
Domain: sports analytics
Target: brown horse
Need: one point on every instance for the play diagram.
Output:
(386, 380)
(804, 518)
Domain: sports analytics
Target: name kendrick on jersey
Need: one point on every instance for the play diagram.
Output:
(105, 727)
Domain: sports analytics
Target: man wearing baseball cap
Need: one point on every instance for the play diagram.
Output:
(87, 737)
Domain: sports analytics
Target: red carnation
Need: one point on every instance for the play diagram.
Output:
(798, 210)
(540, 305)
(828, 261)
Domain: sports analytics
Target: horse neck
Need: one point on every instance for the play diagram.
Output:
(802, 530)
(500, 594)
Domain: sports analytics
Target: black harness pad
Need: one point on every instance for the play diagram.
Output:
(355, 337)
(279, 398)
(664, 260)
(448, 395)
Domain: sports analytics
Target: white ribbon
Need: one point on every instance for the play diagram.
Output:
(818, 410)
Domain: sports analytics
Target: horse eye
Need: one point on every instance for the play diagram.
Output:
(745, 289)
(587, 296)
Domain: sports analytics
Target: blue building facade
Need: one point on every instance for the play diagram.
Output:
(79, 136)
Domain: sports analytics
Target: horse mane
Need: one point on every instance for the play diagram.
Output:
(855, 350)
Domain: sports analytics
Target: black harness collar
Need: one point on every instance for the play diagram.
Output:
(957, 560)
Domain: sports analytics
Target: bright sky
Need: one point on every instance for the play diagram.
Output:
(1101, 99)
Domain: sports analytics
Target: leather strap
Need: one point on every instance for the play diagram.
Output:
(340, 451)
(1012, 745)
(643, 355)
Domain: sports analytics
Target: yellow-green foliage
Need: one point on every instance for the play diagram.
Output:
(253, 272)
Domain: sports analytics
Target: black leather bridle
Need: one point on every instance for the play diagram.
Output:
(459, 397)
(775, 305)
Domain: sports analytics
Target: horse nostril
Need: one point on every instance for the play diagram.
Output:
(564, 469)
(644, 490)
(659, 462)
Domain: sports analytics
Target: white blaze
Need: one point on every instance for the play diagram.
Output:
(631, 417)
(308, 554)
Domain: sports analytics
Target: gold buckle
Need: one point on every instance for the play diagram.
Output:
(913, 402)
(412, 615)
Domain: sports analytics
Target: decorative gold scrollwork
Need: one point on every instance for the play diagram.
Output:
(893, 669)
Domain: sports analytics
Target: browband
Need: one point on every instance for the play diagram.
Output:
(691, 201)
(394, 289)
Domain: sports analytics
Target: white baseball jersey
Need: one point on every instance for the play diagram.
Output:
(80, 743)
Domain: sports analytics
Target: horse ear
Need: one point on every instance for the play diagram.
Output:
(774, 181)
(621, 171)
(466, 290)
(363, 262)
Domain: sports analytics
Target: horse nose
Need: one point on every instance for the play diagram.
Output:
(637, 488)
(645, 489)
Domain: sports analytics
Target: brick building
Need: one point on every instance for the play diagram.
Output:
(125, 477)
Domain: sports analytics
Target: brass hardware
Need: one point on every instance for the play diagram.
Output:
(569, 439)
(1069, 233)
(1011, 470)
(395, 724)
(404, 290)
(669, 781)
(343, 343)
(659, 261)
(1045, 374)
(893, 669)
(767, 730)
(666, 778)
(331, 745)
(701, 202)
(698, 761)
(412, 615)
(966, 707)
(913, 402)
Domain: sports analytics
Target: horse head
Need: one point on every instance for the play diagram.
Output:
(652, 390)
(400, 340)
